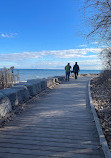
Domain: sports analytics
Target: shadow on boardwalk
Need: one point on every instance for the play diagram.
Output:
(60, 124)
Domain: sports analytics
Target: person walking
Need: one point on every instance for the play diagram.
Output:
(67, 69)
(76, 69)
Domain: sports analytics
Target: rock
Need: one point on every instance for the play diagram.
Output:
(5, 105)
(17, 94)
(40, 84)
(33, 88)
(11, 94)
(23, 93)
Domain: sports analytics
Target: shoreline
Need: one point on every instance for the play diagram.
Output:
(85, 75)
(45, 73)
(71, 76)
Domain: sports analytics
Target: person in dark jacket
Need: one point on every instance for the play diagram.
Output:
(76, 70)
(67, 69)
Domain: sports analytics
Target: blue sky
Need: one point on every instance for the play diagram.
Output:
(45, 34)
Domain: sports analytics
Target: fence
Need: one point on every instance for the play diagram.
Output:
(8, 77)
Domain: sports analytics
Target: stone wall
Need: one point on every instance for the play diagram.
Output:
(21, 92)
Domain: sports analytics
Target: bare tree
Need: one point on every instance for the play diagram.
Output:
(99, 15)
(106, 57)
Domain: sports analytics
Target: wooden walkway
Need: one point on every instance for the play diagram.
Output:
(58, 125)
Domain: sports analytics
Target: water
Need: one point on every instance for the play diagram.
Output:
(26, 74)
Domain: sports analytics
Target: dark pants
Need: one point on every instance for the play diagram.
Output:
(67, 75)
(76, 74)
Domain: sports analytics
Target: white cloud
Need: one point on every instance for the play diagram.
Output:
(54, 58)
(94, 64)
(74, 53)
(103, 46)
(91, 56)
(86, 64)
(95, 42)
(58, 54)
(82, 45)
(89, 64)
(10, 35)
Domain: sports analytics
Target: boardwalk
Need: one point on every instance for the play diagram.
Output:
(60, 124)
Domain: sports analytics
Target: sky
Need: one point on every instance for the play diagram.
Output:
(45, 34)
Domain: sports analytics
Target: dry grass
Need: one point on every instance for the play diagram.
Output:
(8, 78)
(101, 94)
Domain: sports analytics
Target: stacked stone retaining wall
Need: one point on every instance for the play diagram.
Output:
(21, 92)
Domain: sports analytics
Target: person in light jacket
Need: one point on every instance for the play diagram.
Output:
(67, 69)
